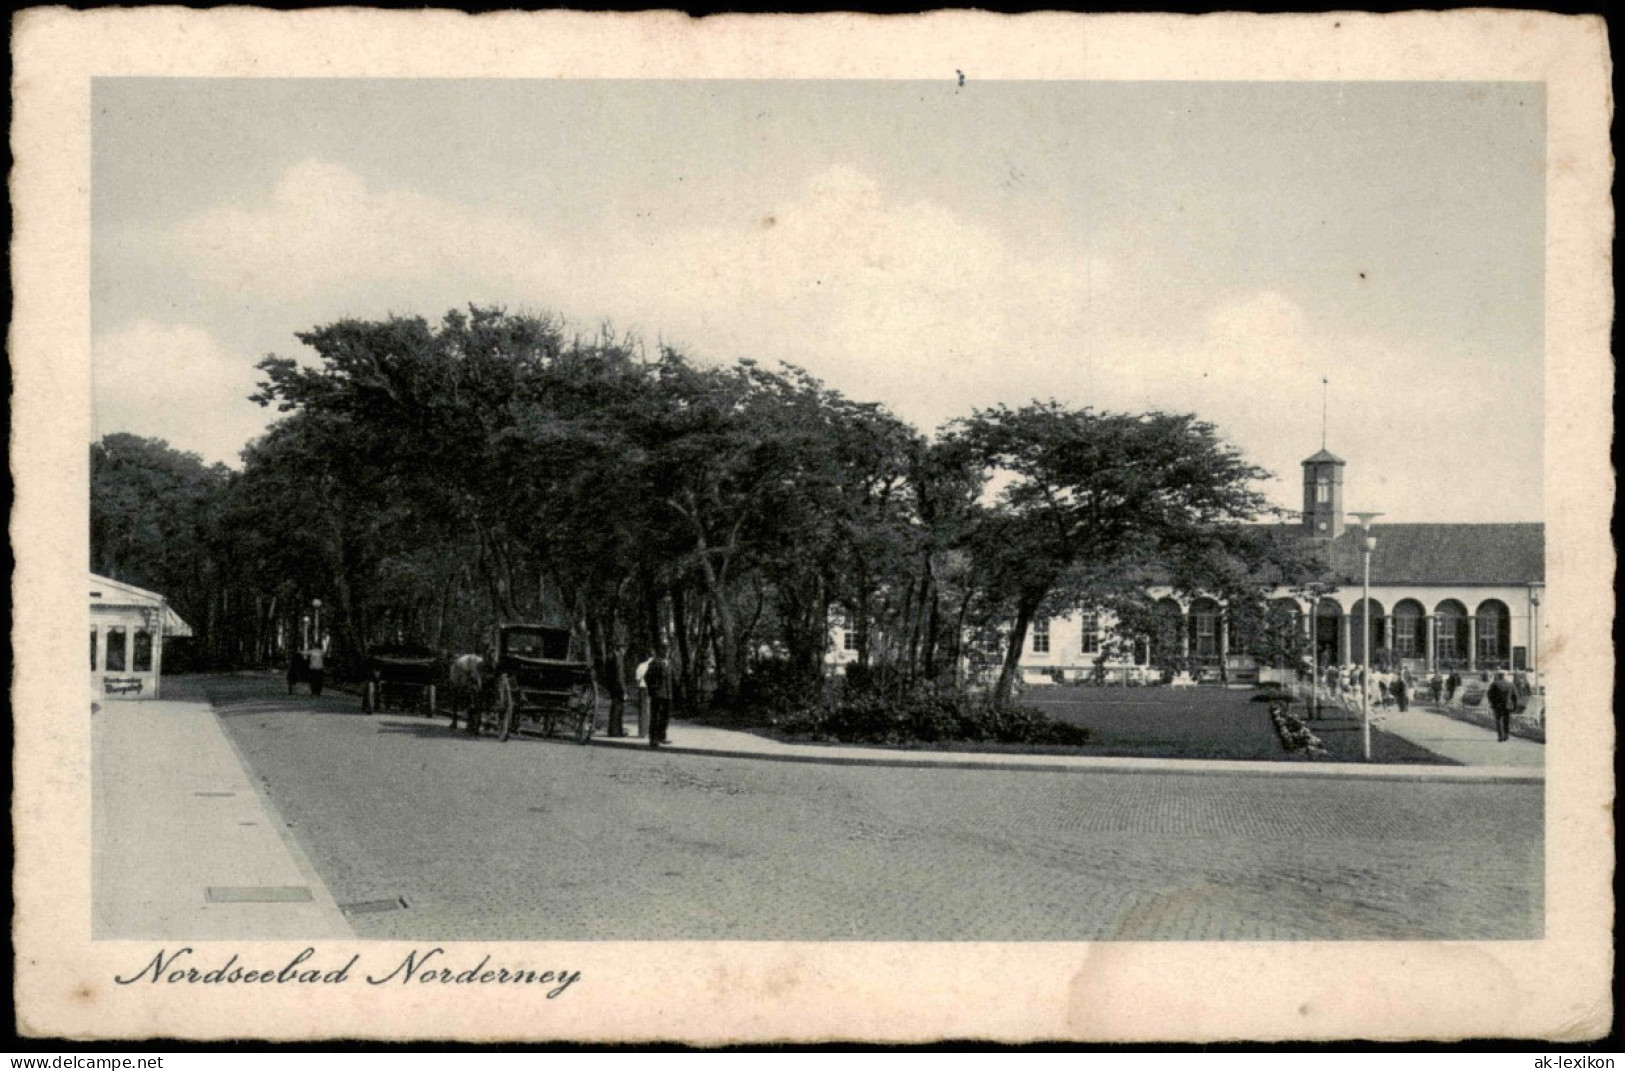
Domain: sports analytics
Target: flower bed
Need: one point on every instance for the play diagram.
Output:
(1296, 737)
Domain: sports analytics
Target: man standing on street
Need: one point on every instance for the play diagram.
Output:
(1503, 701)
(657, 682)
(318, 669)
(1401, 692)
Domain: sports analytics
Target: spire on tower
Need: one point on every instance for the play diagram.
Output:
(1325, 391)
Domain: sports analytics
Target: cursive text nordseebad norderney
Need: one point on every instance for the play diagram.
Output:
(418, 967)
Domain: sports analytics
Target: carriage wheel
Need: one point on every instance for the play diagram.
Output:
(428, 701)
(369, 698)
(505, 708)
(584, 712)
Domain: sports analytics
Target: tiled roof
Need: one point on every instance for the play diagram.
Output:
(1445, 554)
(1323, 455)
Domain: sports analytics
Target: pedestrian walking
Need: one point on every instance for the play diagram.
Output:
(1452, 686)
(1503, 701)
(657, 682)
(1520, 681)
(316, 662)
(1402, 694)
(1436, 686)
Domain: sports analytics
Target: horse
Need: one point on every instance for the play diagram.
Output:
(468, 690)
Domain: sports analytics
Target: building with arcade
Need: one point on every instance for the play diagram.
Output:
(1462, 597)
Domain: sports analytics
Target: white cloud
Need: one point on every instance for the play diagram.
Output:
(878, 295)
(886, 297)
(324, 230)
(175, 382)
(902, 301)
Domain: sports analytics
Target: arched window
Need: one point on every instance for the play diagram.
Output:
(1166, 645)
(1328, 618)
(1452, 633)
(1282, 640)
(1494, 633)
(1357, 626)
(1409, 637)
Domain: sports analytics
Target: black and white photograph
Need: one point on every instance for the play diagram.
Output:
(545, 526)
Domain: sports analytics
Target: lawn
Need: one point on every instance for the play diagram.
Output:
(1202, 723)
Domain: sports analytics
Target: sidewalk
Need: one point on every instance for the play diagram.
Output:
(184, 846)
(1466, 743)
(1492, 764)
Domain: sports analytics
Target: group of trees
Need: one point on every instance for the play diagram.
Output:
(427, 480)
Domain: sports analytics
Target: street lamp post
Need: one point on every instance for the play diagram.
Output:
(316, 635)
(1368, 543)
(1534, 635)
(1314, 659)
(304, 632)
(1312, 629)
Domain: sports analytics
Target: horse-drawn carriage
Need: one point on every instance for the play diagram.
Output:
(530, 673)
(401, 676)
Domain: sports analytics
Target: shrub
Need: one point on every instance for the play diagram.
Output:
(857, 714)
(773, 685)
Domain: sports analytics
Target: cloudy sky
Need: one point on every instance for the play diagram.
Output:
(1214, 248)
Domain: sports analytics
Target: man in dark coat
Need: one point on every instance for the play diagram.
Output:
(1401, 693)
(657, 680)
(1503, 701)
(1452, 685)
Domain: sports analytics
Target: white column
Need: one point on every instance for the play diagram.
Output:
(1534, 638)
(158, 651)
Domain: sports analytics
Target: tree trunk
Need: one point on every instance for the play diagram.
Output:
(679, 614)
(443, 610)
(722, 620)
(612, 670)
(957, 644)
(1012, 654)
(933, 623)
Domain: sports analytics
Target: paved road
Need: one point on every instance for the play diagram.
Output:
(535, 840)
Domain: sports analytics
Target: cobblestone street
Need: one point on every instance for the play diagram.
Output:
(534, 840)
